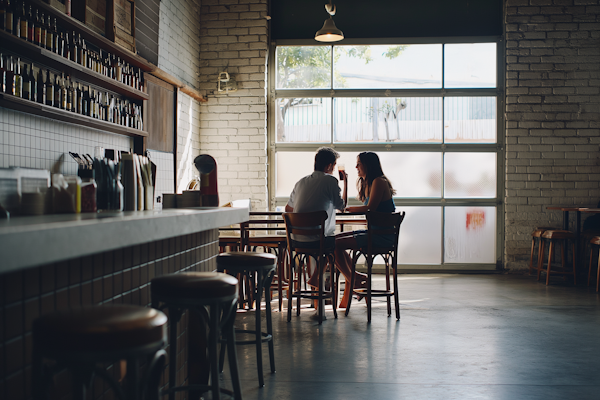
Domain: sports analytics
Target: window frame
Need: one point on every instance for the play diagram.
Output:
(498, 148)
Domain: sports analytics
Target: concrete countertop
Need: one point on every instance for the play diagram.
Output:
(32, 241)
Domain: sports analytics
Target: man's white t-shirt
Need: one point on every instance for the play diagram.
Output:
(316, 192)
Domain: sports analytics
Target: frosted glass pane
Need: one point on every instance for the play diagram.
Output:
(413, 174)
(303, 120)
(303, 67)
(290, 167)
(470, 235)
(420, 236)
(383, 119)
(470, 120)
(470, 65)
(390, 67)
(470, 175)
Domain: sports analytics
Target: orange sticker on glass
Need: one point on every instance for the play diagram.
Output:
(475, 219)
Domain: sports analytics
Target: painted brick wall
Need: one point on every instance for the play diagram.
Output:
(552, 115)
(233, 38)
(179, 46)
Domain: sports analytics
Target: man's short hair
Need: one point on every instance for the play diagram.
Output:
(324, 157)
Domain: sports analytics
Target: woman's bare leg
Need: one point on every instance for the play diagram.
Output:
(344, 265)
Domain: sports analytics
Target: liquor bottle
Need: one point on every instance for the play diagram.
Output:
(78, 99)
(73, 50)
(85, 102)
(2, 75)
(26, 84)
(82, 50)
(49, 34)
(69, 95)
(9, 16)
(41, 87)
(57, 102)
(9, 80)
(2, 14)
(119, 70)
(66, 45)
(37, 29)
(49, 90)
(30, 25)
(63, 93)
(23, 23)
(32, 83)
(18, 88)
(56, 43)
(17, 20)
(43, 31)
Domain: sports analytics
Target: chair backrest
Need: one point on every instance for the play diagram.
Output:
(307, 224)
(387, 224)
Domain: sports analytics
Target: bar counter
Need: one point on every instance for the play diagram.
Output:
(56, 262)
(32, 241)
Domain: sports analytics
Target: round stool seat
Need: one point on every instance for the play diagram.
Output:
(558, 234)
(539, 231)
(92, 329)
(242, 261)
(194, 285)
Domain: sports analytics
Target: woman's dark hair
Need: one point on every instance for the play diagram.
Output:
(372, 166)
(324, 157)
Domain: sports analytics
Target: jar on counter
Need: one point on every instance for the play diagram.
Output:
(89, 189)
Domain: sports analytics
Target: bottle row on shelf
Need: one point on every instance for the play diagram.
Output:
(61, 92)
(28, 23)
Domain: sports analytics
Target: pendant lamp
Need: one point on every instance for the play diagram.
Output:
(329, 32)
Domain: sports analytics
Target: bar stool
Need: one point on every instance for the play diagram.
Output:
(561, 237)
(213, 297)
(81, 338)
(258, 268)
(594, 244)
(536, 238)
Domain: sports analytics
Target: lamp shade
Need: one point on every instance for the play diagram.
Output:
(329, 32)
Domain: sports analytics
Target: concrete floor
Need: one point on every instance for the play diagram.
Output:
(459, 337)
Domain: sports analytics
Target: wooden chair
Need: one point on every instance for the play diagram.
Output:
(536, 237)
(310, 224)
(594, 244)
(379, 224)
(561, 237)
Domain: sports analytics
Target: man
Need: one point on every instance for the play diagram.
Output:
(320, 191)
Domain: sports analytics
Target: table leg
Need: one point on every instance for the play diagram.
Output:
(566, 220)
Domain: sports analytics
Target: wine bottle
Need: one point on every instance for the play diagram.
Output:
(37, 29)
(30, 25)
(9, 15)
(26, 84)
(41, 87)
(69, 95)
(18, 88)
(49, 90)
(24, 26)
(9, 80)
(78, 99)
(63, 93)
(32, 84)
(17, 20)
(85, 102)
(57, 43)
(73, 50)
(82, 51)
(57, 102)
(43, 31)
(2, 75)
(49, 34)
(66, 45)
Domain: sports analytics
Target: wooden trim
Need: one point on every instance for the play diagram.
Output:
(165, 76)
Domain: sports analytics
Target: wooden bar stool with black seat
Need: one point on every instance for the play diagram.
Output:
(311, 224)
(594, 246)
(79, 339)
(383, 230)
(561, 237)
(213, 297)
(536, 236)
(258, 268)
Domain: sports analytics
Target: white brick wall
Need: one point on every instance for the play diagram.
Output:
(233, 38)
(178, 54)
(552, 115)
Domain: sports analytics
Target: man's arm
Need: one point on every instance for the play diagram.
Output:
(288, 208)
(345, 191)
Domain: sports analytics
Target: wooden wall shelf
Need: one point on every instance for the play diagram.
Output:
(31, 107)
(91, 36)
(48, 58)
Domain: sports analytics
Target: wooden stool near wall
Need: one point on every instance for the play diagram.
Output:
(561, 237)
(258, 268)
(213, 297)
(536, 239)
(594, 246)
(82, 338)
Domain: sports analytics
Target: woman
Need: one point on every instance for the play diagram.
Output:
(376, 193)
